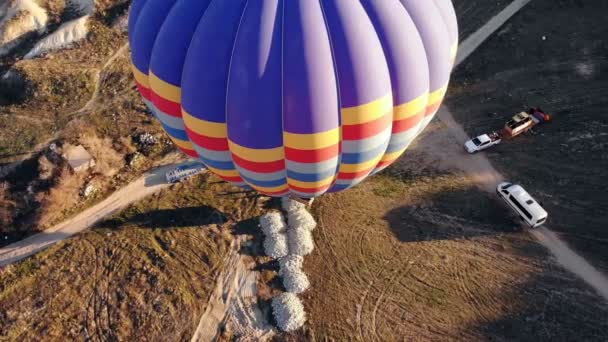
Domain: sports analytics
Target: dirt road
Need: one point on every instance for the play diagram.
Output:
(150, 183)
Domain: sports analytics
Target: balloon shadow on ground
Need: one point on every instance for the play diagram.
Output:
(169, 218)
(461, 213)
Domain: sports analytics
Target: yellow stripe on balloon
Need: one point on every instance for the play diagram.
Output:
(279, 188)
(182, 143)
(257, 155)
(167, 90)
(312, 141)
(412, 108)
(437, 95)
(310, 185)
(204, 127)
(392, 156)
(140, 77)
(224, 173)
(367, 112)
(351, 168)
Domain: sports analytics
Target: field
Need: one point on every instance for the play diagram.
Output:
(81, 95)
(146, 273)
(563, 163)
(420, 251)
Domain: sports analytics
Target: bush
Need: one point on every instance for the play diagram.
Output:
(62, 198)
(272, 223)
(290, 263)
(288, 311)
(300, 241)
(290, 205)
(302, 219)
(295, 281)
(107, 160)
(275, 245)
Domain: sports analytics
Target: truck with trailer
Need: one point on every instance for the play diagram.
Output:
(183, 172)
(518, 124)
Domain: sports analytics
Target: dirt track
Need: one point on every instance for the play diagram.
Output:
(146, 185)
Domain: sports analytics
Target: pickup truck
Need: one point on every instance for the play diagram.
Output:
(482, 142)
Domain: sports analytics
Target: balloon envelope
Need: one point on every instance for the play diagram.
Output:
(295, 97)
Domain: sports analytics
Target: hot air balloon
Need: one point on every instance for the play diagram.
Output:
(298, 97)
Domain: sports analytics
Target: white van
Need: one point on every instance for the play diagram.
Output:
(524, 205)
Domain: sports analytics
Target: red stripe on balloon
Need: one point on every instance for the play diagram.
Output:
(432, 109)
(145, 92)
(312, 156)
(408, 123)
(310, 190)
(215, 144)
(235, 179)
(265, 167)
(189, 152)
(166, 106)
(273, 193)
(354, 175)
(366, 130)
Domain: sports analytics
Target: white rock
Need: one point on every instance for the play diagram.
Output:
(290, 263)
(301, 219)
(272, 223)
(300, 241)
(288, 311)
(290, 205)
(66, 35)
(295, 281)
(275, 245)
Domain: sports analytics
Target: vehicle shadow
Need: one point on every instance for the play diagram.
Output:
(447, 215)
(169, 218)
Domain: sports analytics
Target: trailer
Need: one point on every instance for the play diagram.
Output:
(183, 172)
(523, 122)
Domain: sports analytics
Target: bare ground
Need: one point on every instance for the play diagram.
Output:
(563, 164)
(421, 253)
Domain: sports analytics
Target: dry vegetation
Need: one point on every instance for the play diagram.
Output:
(145, 274)
(81, 95)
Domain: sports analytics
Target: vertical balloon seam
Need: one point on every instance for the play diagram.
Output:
(403, 119)
(166, 96)
(452, 29)
(393, 104)
(144, 77)
(442, 91)
(436, 95)
(340, 121)
(239, 152)
(368, 125)
(210, 133)
(286, 178)
(236, 34)
(308, 154)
